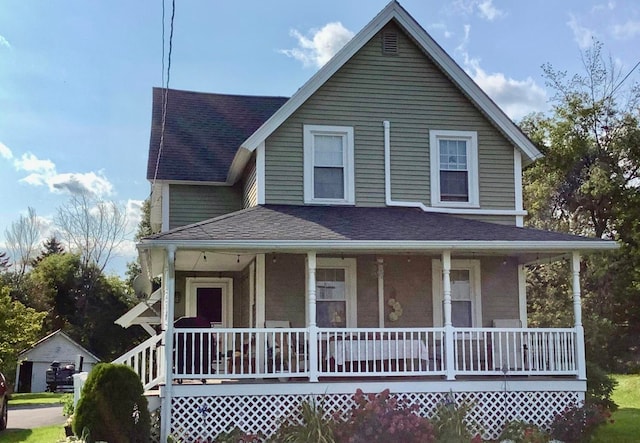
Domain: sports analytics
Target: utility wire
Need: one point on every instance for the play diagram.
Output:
(165, 85)
(625, 78)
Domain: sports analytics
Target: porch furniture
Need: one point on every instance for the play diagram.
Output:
(194, 352)
(364, 354)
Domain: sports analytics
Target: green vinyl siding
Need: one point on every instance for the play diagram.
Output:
(409, 91)
(195, 203)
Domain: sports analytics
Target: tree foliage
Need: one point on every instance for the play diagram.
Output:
(21, 240)
(587, 184)
(20, 327)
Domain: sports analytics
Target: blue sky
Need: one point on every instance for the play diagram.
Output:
(76, 76)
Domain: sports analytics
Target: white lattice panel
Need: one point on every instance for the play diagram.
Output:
(203, 418)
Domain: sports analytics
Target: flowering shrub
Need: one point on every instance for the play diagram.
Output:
(577, 423)
(522, 432)
(382, 418)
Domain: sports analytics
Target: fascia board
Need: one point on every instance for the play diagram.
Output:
(388, 245)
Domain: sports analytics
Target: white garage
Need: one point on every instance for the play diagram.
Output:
(34, 362)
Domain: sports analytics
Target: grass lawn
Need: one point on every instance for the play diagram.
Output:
(47, 434)
(37, 398)
(626, 425)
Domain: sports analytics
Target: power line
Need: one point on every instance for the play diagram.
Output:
(165, 86)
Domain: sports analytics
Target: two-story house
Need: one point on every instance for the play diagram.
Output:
(365, 233)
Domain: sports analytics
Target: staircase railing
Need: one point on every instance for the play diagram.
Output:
(146, 360)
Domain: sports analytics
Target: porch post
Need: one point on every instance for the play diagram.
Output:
(380, 269)
(169, 283)
(260, 309)
(577, 316)
(311, 309)
(448, 325)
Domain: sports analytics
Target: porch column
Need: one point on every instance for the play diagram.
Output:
(261, 344)
(577, 316)
(380, 273)
(311, 309)
(169, 283)
(448, 325)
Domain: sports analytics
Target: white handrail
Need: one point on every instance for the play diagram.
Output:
(146, 360)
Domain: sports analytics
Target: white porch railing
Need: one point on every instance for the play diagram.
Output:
(146, 360)
(241, 353)
(228, 353)
(514, 351)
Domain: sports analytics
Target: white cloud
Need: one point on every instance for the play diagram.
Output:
(4, 42)
(442, 28)
(5, 152)
(484, 8)
(581, 34)
(488, 10)
(42, 172)
(320, 46)
(627, 30)
(517, 98)
(30, 163)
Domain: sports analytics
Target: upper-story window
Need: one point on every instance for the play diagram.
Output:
(454, 168)
(328, 164)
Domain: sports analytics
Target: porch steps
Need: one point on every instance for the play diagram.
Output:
(153, 399)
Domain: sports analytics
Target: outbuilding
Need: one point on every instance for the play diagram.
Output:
(34, 362)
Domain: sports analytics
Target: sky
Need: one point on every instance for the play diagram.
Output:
(76, 76)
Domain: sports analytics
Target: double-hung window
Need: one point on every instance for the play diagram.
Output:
(454, 168)
(328, 164)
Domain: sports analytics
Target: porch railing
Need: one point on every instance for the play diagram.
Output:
(147, 360)
(237, 353)
(515, 351)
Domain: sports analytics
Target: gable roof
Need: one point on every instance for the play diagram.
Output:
(271, 227)
(59, 332)
(202, 132)
(393, 11)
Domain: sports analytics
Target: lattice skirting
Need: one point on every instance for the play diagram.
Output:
(198, 419)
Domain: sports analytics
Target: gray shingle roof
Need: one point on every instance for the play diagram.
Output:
(344, 223)
(203, 132)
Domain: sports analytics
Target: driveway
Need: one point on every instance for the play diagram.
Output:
(29, 417)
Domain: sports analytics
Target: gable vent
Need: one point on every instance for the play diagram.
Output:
(390, 42)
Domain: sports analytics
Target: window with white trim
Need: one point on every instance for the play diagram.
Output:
(336, 292)
(466, 300)
(328, 164)
(454, 168)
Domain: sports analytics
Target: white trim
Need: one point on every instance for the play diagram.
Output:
(394, 11)
(473, 266)
(386, 245)
(517, 183)
(522, 295)
(260, 289)
(409, 386)
(346, 132)
(224, 283)
(260, 173)
(471, 140)
(165, 207)
(351, 291)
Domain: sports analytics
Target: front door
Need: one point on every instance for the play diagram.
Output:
(211, 298)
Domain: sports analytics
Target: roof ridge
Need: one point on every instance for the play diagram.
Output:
(224, 94)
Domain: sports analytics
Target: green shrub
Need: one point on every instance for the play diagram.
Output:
(314, 427)
(600, 386)
(112, 407)
(578, 423)
(382, 418)
(451, 424)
